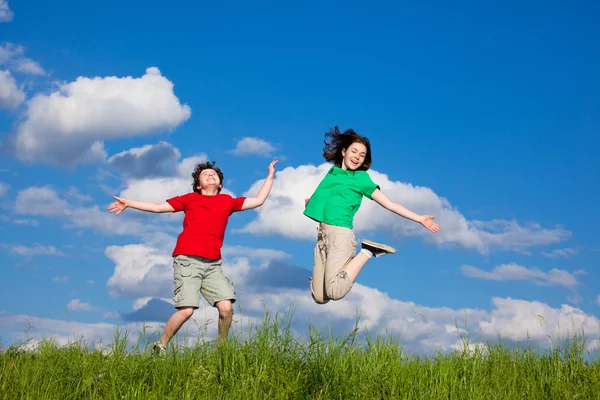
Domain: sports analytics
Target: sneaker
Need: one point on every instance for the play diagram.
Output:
(158, 349)
(377, 249)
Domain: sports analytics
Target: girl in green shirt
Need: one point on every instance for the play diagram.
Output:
(334, 204)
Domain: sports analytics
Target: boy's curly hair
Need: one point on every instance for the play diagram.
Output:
(198, 170)
(335, 141)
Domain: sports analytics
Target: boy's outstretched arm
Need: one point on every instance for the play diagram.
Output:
(121, 204)
(385, 202)
(261, 196)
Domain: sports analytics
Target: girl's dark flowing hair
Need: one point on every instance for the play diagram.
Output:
(335, 141)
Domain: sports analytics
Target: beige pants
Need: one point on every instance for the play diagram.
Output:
(335, 247)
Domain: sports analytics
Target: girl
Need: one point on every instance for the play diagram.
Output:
(334, 204)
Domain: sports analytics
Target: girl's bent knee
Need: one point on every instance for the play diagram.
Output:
(319, 299)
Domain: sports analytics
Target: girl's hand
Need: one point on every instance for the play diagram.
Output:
(427, 222)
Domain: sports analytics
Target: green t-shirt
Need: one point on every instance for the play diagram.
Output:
(339, 196)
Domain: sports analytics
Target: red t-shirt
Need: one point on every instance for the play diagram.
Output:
(204, 223)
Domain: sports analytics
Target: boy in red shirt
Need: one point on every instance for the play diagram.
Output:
(197, 254)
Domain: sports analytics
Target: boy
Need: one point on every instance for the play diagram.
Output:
(197, 254)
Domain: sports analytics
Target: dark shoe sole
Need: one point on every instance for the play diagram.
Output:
(384, 247)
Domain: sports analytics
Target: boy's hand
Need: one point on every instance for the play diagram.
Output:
(272, 167)
(427, 222)
(306, 202)
(119, 205)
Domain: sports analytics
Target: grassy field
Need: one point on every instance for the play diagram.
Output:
(272, 364)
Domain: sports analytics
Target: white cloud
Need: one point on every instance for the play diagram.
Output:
(65, 332)
(147, 161)
(74, 194)
(140, 271)
(293, 185)
(176, 181)
(598, 300)
(37, 250)
(111, 315)
(422, 328)
(156, 190)
(41, 201)
(516, 319)
(10, 94)
(13, 56)
(6, 14)
(90, 282)
(514, 272)
(68, 126)
(4, 188)
(253, 146)
(78, 305)
(60, 279)
(44, 201)
(566, 253)
(252, 252)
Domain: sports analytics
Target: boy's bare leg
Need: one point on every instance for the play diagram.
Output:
(225, 317)
(175, 323)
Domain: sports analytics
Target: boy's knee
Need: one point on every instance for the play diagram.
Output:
(186, 312)
(225, 309)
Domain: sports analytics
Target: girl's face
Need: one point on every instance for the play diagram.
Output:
(354, 156)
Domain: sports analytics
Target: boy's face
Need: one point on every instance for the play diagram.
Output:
(354, 156)
(209, 179)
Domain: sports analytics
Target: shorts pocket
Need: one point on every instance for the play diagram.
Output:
(185, 269)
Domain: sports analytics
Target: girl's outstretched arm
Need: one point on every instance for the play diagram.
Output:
(385, 202)
(121, 204)
(261, 196)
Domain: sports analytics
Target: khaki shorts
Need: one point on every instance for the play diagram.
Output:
(194, 275)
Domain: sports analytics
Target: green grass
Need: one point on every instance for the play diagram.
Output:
(270, 363)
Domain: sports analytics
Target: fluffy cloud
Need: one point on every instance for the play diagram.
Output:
(13, 56)
(514, 272)
(139, 271)
(37, 250)
(154, 172)
(41, 201)
(147, 161)
(276, 286)
(10, 94)
(293, 185)
(253, 146)
(78, 305)
(64, 332)
(60, 279)
(6, 14)
(68, 126)
(44, 201)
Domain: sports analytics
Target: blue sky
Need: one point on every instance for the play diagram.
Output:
(485, 116)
